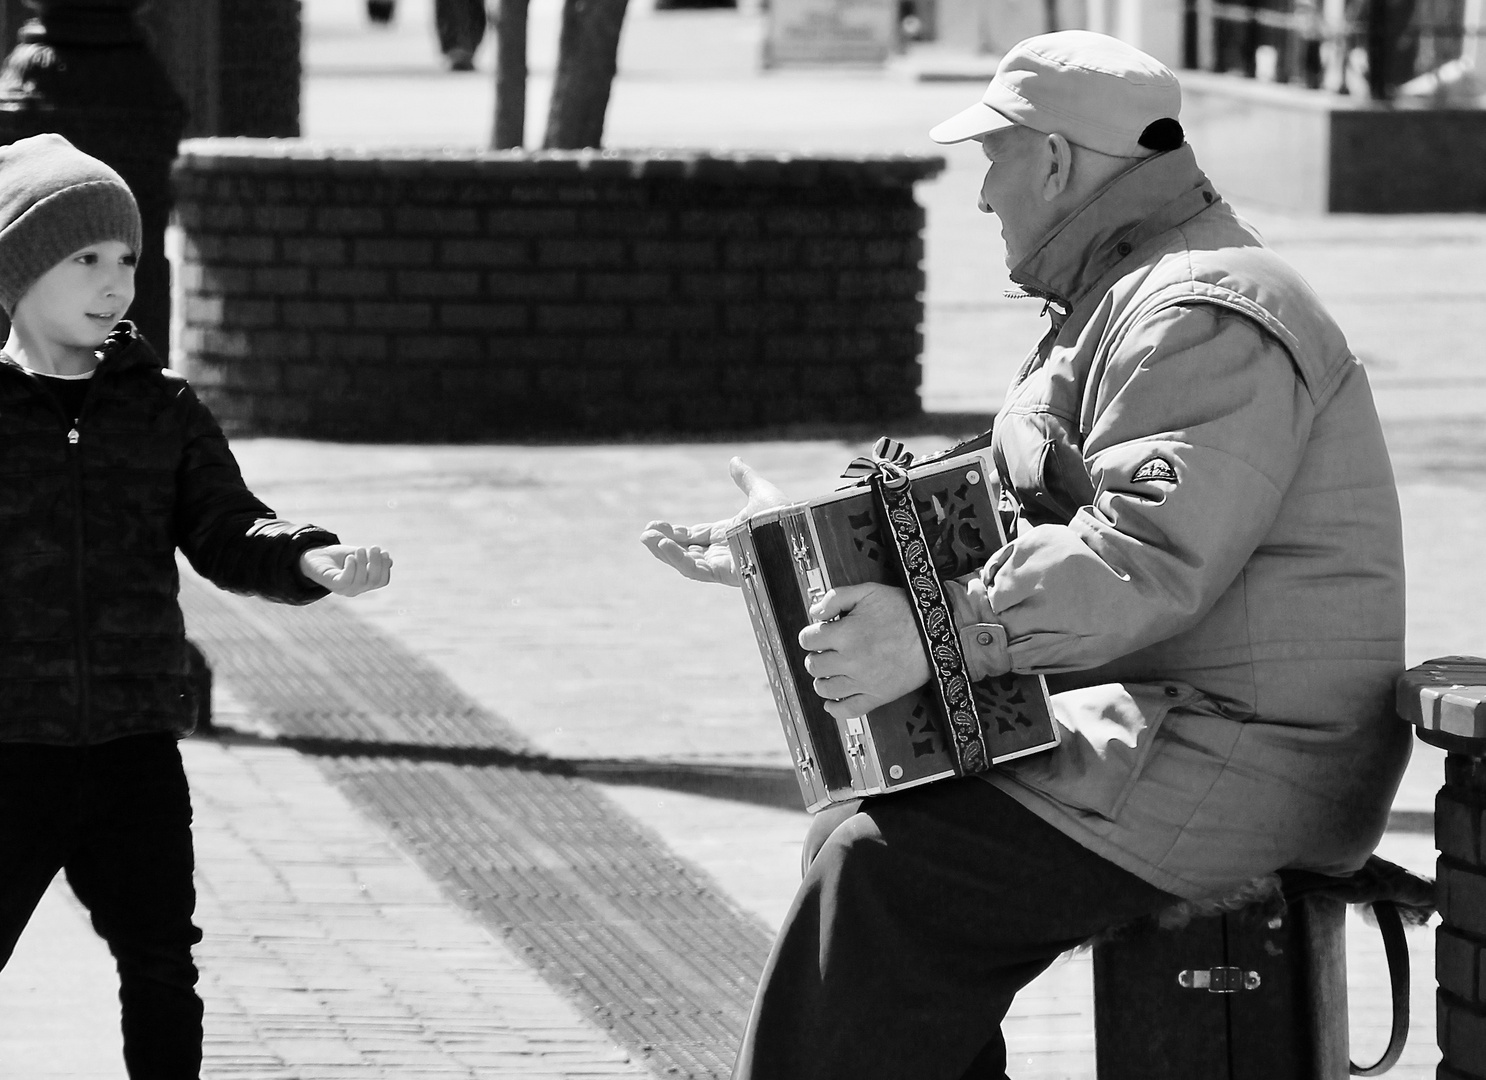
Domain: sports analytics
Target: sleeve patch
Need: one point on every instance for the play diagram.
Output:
(1156, 468)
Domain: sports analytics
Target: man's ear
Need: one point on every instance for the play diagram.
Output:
(1057, 158)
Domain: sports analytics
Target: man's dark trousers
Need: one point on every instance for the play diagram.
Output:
(117, 819)
(920, 917)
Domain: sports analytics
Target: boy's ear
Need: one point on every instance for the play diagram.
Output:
(1058, 164)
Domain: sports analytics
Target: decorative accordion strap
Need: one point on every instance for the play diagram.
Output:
(950, 680)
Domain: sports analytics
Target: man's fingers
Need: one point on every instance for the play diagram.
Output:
(847, 707)
(684, 535)
(689, 562)
(838, 601)
(743, 475)
(760, 492)
(834, 687)
(668, 551)
(819, 637)
(663, 529)
(660, 543)
(824, 664)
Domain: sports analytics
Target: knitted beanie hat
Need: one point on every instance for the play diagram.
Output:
(54, 200)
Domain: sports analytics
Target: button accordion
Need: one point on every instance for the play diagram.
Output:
(908, 526)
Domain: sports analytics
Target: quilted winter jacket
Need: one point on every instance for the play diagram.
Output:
(1208, 558)
(92, 642)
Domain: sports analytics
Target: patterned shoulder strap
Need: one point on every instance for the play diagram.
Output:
(951, 682)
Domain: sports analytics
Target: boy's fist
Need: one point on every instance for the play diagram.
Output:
(347, 571)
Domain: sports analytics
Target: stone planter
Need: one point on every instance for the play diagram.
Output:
(468, 296)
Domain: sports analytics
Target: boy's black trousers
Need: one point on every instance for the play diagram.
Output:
(921, 915)
(117, 819)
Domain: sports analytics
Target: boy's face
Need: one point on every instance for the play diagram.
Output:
(79, 301)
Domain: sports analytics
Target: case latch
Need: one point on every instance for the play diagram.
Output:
(1219, 980)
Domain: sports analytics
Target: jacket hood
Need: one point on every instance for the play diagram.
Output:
(1144, 202)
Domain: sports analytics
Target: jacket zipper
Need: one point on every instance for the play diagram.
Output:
(84, 667)
(75, 469)
(84, 702)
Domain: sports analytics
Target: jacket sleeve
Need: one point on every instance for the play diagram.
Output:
(229, 536)
(1195, 428)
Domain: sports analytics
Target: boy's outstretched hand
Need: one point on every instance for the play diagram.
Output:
(700, 552)
(347, 571)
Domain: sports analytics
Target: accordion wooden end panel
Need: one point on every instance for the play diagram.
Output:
(790, 556)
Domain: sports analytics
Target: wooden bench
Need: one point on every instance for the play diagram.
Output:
(1445, 700)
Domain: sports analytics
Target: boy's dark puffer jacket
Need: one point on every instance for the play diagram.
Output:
(92, 643)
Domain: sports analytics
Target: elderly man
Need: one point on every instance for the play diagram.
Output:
(1206, 564)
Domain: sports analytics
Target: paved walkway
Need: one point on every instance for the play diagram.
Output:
(332, 948)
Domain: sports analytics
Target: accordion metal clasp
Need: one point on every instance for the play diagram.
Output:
(791, 556)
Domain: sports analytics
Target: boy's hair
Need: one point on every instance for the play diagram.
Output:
(55, 200)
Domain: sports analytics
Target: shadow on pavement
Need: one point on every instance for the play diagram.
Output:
(759, 785)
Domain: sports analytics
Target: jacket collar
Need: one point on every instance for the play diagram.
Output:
(123, 348)
(1152, 198)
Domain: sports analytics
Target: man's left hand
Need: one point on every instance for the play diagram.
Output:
(864, 648)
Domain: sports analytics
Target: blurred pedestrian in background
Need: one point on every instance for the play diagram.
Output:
(461, 27)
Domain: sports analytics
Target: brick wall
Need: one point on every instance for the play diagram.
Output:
(428, 296)
(1460, 942)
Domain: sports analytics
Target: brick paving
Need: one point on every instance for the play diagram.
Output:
(329, 951)
(653, 951)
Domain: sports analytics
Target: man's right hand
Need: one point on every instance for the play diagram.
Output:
(700, 552)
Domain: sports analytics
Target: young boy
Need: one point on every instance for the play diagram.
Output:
(108, 464)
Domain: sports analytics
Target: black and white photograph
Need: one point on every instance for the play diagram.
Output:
(742, 539)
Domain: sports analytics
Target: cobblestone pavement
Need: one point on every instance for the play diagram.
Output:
(330, 948)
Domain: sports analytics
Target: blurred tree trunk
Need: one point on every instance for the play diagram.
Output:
(588, 53)
(508, 20)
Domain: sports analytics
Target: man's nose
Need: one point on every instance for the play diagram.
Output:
(983, 206)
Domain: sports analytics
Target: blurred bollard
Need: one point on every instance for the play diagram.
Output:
(461, 27)
(84, 69)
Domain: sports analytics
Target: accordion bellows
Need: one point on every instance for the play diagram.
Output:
(790, 556)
